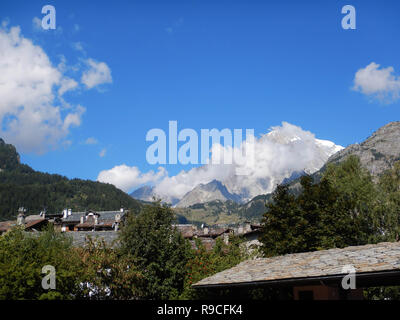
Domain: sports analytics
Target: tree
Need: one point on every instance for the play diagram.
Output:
(387, 217)
(158, 251)
(108, 275)
(357, 197)
(338, 211)
(204, 263)
(281, 224)
(22, 257)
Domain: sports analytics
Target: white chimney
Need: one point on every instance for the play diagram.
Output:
(82, 219)
(21, 219)
(226, 238)
(65, 213)
(96, 220)
(69, 212)
(121, 210)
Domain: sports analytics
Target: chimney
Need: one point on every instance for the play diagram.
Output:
(121, 210)
(82, 217)
(21, 219)
(226, 238)
(205, 230)
(96, 220)
(21, 216)
(69, 212)
(117, 217)
(65, 213)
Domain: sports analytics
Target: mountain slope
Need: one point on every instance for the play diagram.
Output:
(145, 193)
(20, 185)
(377, 153)
(211, 191)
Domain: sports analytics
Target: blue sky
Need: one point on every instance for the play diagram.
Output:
(211, 64)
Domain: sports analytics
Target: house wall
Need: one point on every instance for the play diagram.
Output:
(321, 292)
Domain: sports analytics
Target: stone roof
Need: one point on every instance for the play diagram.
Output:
(33, 223)
(7, 225)
(188, 231)
(102, 215)
(79, 238)
(384, 256)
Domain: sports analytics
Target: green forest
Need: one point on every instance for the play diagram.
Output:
(21, 186)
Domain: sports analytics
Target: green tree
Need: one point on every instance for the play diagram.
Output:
(22, 257)
(281, 224)
(357, 197)
(158, 251)
(204, 263)
(108, 274)
(387, 217)
(337, 211)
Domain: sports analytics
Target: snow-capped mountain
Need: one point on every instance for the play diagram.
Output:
(281, 155)
(284, 152)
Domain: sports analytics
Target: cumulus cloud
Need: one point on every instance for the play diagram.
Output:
(377, 82)
(126, 178)
(283, 151)
(32, 110)
(98, 73)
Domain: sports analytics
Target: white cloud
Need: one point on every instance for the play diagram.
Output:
(67, 84)
(286, 149)
(91, 140)
(380, 83)
(102, 153)
(98, 73)
(126, 178)
(37, 24)
(32, 111)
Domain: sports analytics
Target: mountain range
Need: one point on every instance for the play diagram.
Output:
(377, 154)
(282, 155)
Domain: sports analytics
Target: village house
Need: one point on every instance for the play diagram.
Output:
(29, 223)
(209, 235)
(316, 275)
(249, 233)
(91, 220)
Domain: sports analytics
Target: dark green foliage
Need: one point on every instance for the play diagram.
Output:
(112, 275)
(22, 186)
(22, 257)
(9, 158)
(203, 263)
(338, 211)
(158, 251)
(387, 217)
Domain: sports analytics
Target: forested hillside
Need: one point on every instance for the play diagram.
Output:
(20, 185)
